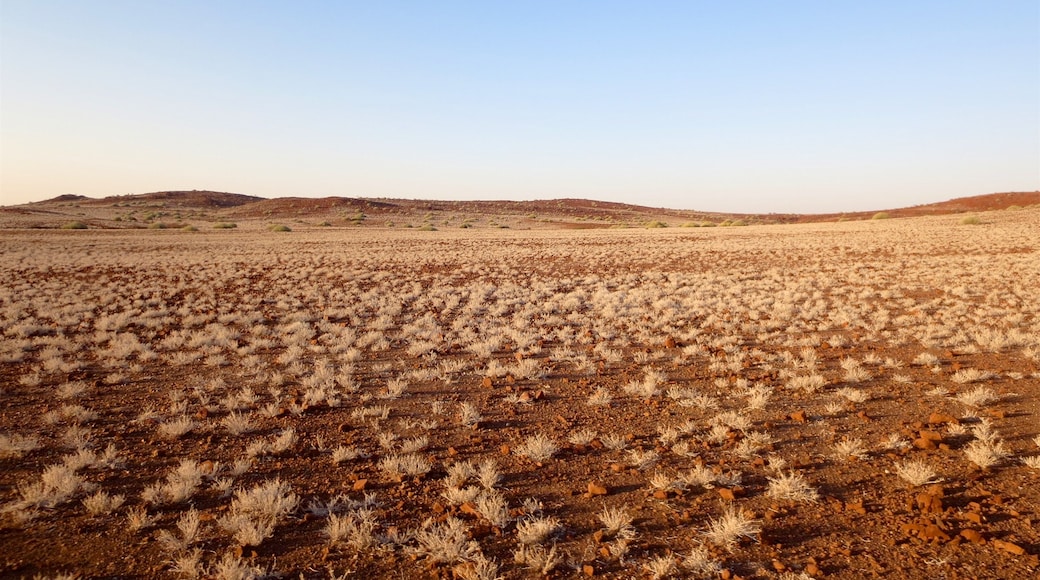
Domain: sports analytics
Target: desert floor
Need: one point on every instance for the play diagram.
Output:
(842, 400)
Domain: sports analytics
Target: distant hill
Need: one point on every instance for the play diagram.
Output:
(176, 208)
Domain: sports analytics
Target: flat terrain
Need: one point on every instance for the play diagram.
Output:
(826, 400)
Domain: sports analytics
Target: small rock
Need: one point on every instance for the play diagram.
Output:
(597, 489)
(813, 570)
(486, 383)
(1009, 547)
(929, 503)
(504, 449)
(972, 536)
(360, 485)
(798, 417)
(930, 435)
(588, 570)
(941, 419)
(660, 494)
(469, 509)
(926, 444)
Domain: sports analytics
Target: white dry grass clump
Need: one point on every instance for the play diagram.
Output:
(102, 503)
(977, 398)
(641, 459)
(57, 485)
(1032, 461)
(536, 530)
(582, 437)
(176, 428)
(237, 423)
(970, 376)
(700, 563)
(617, 523)
(729, 528)
(538, 559)
(189, 525)
(601, 397)
(916, 473)
(614, 441)
(791, 487)
(926, 359)
(138, 518)
(853, 395)
(987, 449)
(660, 567)
(445, 542)
(850, 448)
(16, 445)
(537, 448)
(408, 465)
(493, 507)
(355, 529)
(344, 453)
(255, 512)
(468, 415)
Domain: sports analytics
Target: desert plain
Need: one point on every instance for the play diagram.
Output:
(270, 395)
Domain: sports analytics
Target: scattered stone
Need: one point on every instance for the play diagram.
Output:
(596, 489)
(505, 449)
(856, 507)
(930, 435)
(1009, 547)
(661, 494)
(588, 570)
(486, 383)
(972, 536)
(798, 416)
(926, 444)
(942, 419)
(727, 494)
(929, 503)
(669, 342)
(469, 509)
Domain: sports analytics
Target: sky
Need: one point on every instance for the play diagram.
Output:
(742, 106)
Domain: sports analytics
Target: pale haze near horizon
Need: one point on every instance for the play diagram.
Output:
(715, 106)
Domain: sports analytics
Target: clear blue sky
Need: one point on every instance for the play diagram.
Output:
(735, 106)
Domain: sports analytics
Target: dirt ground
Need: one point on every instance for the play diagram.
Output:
(684, 374)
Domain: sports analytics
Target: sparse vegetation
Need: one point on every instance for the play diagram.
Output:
(483, 404)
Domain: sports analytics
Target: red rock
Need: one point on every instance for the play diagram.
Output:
(813, 570)
(486, 383)
(470, 509)
(942, 418)
(930, 435)
(597, 489)
(926, 444)
(856, 507)
(1009, 547)
(504, 449)
(661, 494)
(972, 536)
(798, 416)
(588, 570)
(929, 503)
(669, 342)
(726, 494)
(360, 485)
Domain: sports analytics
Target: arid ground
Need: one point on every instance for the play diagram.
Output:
(346, 396)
